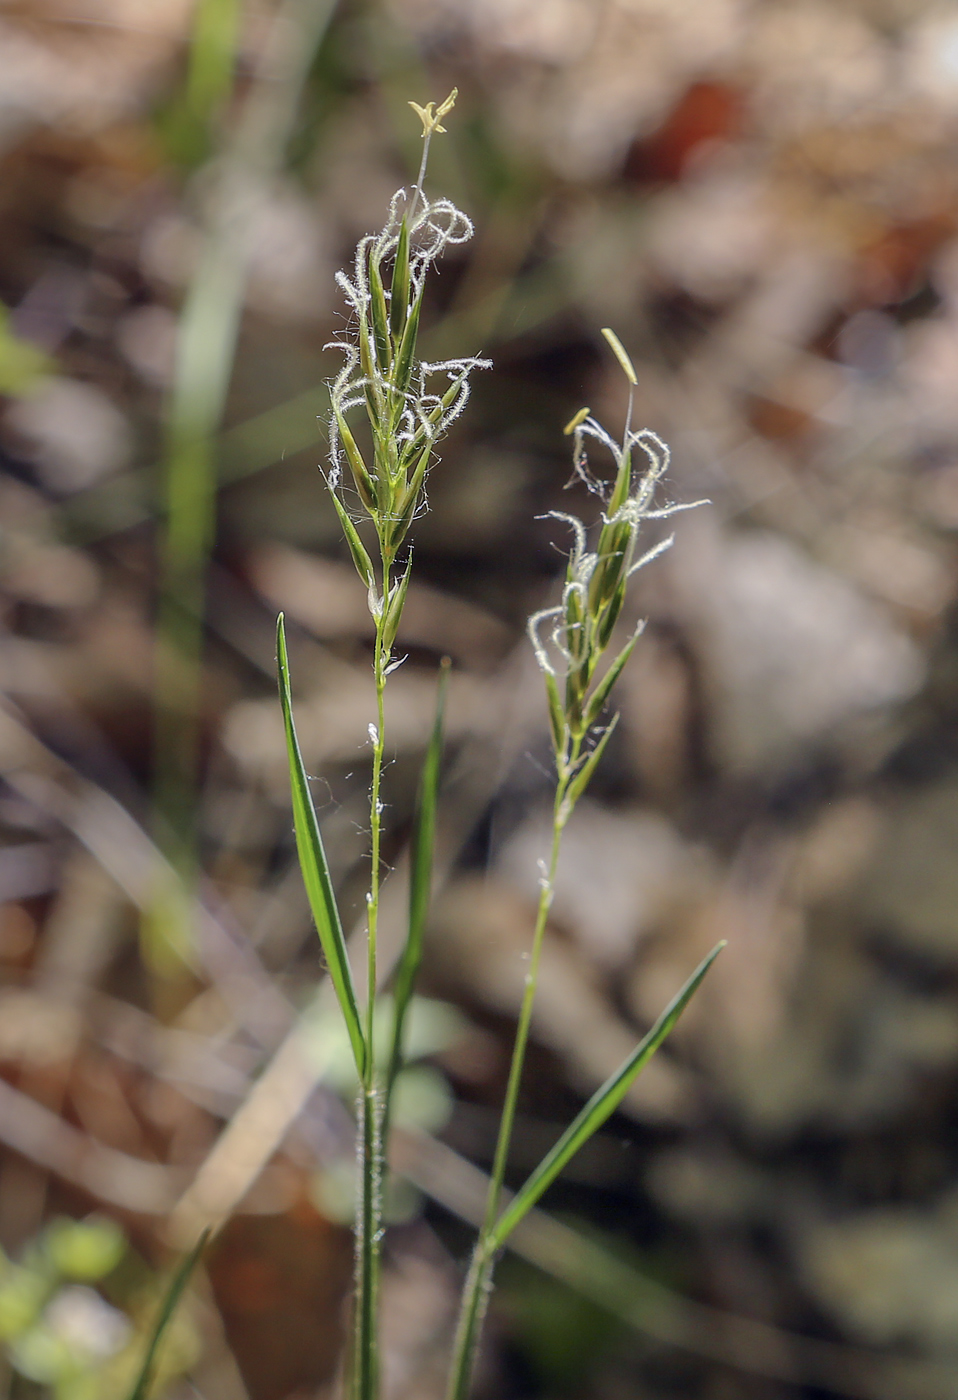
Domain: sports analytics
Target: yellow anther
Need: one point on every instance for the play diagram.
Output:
(573, 423)
(431, 115)
(619, 350)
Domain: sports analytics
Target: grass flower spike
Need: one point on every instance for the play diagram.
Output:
(408, 403)
(579, 629)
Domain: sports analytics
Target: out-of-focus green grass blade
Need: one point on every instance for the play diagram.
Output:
(253, 151)
(173, 1294)
(420, 879)
(312, 860)
(601, 1106)
(212, 55)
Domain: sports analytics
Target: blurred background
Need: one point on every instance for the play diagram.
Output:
(761, 197)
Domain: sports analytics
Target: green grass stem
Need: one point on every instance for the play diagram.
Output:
(421, 849)
(479, 1279)
(365, 1379)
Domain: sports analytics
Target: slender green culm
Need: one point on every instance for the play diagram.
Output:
(420, 888)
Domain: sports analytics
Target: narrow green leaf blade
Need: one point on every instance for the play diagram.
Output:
(168, 1307)
(600, 1107)
(420, 878)
(312, 860)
